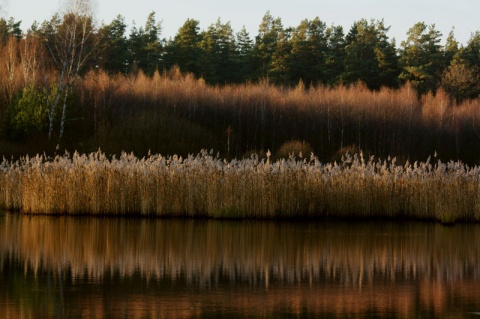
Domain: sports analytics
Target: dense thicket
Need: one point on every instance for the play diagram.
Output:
(66, 81)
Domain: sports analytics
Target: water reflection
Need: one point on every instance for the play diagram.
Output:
(103, 268)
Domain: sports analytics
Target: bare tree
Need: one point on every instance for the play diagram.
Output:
(70, 48)
(8, 85)
(30, 49)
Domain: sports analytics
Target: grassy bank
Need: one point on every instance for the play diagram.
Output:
(207, 186)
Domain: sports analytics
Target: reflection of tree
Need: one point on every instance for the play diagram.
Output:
(370, 262)
(38, 292)
(265, 251)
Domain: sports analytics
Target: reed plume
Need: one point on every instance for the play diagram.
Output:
(205, 185)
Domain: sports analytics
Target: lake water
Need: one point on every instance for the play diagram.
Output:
(78, 267)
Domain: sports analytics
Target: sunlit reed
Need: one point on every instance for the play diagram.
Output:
(208, 186)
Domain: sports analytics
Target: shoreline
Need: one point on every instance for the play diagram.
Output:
(289, 219)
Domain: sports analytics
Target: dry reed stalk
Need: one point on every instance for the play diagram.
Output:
(204, 185)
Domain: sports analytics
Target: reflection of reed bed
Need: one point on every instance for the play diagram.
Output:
(204, 185)
(296, 300)
(259, 253)
(137, 297)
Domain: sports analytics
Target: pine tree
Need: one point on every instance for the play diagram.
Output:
(461, 78)
(388, 65)
(208, 61)
(471, 53)
(9, 28)
(184, 50)
(309, 50)
(451, 48)
(227, 59)
(387, 58)
(370, 58)
(218, 61)
(422, 58)
(145, 49)
(265, 45)
(300, 53)
(111, 50)
(334, 59)
(153, 46)
(244, 55)
(318, 44)
(279, 70)
(136, 45)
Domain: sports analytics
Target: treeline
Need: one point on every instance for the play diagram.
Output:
(311, 52)
(309, 88)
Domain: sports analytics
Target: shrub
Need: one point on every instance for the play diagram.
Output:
(28, 115)
(347, 150)
(294, 148)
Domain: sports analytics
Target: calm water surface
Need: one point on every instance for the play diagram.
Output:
(67, 267)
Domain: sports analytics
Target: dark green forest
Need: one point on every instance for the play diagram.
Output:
(67, 81)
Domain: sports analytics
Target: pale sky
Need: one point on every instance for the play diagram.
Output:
(400, 15)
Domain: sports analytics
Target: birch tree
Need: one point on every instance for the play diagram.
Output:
(70, 47)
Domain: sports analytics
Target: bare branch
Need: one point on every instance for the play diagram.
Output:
(85, 8)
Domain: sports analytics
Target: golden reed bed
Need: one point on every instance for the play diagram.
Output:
(207, 186)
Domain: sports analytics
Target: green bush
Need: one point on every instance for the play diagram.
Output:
(28, 115)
